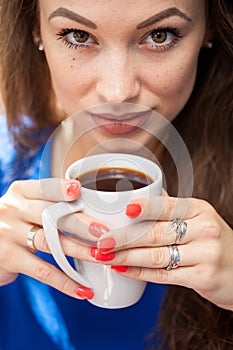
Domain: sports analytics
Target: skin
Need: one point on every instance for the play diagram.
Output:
(128, 67)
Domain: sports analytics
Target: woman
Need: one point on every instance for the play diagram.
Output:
(58, 58)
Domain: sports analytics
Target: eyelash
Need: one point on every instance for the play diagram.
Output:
(62, 35)
(164, 46)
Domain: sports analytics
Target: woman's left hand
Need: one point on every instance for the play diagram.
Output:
(205, 251)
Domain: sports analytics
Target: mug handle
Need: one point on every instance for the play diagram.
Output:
(50, 217)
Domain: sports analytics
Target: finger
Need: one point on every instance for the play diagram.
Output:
(78, 225)
(52, 189)
(150, 233)
(82, 226)
(35, 267)
(30, 211)
(146, 234)
(70, 248)
(158, 257)
(193, 277)
(199, 264)
(164, 193)
(165, 208)
(183, 276)
(189, 273)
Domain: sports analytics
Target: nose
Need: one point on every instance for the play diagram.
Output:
(118, 80)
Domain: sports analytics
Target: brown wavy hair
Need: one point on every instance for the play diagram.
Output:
(187, 321)
(25, 80)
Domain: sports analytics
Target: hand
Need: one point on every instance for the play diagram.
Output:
(20, 209)
(206, 251)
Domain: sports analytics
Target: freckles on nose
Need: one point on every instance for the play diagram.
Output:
(118, 87)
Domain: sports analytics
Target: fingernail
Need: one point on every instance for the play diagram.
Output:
(97, 229)
(72, 188)
(106, 244)
(121, 268)
(133, 210)
(84, 292)
(93, 251)
(104, 257)
(98, 255)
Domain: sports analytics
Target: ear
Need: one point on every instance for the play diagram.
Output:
(208, 39)
(36, 37)
(37, 40)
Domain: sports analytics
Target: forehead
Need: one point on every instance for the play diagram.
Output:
(103, 11)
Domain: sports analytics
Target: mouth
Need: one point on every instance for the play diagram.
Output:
(120, 124)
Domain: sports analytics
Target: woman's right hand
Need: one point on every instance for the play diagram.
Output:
(20, 209)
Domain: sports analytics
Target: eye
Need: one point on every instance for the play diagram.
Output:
(75, 38)
(162, 38)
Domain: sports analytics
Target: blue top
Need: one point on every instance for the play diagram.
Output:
(36, 316)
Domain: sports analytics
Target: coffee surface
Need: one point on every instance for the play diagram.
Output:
(114, 179)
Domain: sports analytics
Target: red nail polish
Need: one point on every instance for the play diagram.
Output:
(93, 251)
(72, 188)
(104, 257)
(121, 268)
(84, 292)
(133, 210)
(106, 244)
(98, 255)
(97, 229)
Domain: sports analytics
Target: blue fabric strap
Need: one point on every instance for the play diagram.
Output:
(47, 313)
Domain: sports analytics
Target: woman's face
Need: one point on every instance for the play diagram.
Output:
(140, 52)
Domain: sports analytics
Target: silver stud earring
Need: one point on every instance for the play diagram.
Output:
(41, 47)
(209, 44)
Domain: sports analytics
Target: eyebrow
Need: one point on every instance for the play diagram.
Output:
(172, 11)
(63, 12)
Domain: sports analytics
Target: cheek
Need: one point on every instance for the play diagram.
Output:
(69, 82)
(174, 85)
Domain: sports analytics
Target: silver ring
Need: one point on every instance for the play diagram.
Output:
(180, 227)
(31, 236)
(174, 257)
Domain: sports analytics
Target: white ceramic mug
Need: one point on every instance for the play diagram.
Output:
(111, 289)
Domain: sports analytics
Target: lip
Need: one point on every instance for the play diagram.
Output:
(121, 124)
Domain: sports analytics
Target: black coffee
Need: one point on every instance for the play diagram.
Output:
(114, 179)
